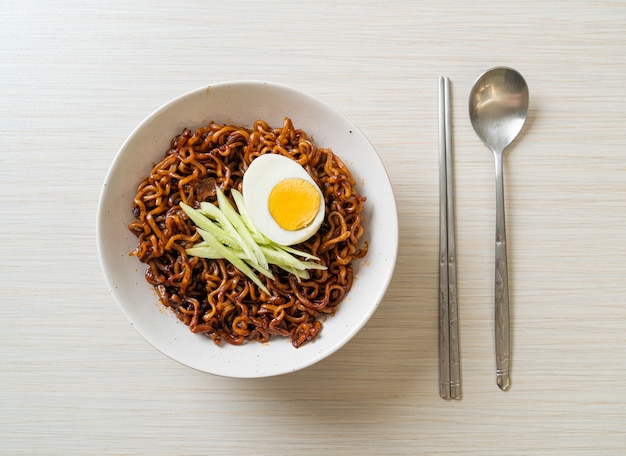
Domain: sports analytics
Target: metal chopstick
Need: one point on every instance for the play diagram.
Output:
(449, 353)
(455, 361)
(444, 320)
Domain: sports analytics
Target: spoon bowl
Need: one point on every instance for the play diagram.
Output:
(498, 106)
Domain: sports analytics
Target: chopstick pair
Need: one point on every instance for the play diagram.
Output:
(449, 353)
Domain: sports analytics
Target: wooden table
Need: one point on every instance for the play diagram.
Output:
(77, 77)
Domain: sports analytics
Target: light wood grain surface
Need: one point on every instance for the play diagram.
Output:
(77, 77)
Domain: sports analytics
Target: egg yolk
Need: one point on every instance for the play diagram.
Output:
(294, 203)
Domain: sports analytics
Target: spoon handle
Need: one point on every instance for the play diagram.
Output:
(501, 294)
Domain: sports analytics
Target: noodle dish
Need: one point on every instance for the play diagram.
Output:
(247, 229)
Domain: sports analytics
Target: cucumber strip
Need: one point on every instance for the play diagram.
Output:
(206, 251)
(253, 264)
(199, 244)
(226, 232)
(300, 275)
(243, 212)
(235, 260)
(223, 220)
(291, 250)
(203, 252)
(311, 265)
(212, 211)
(219, 234)
(250, 247)
(197, 217)
(282, 259)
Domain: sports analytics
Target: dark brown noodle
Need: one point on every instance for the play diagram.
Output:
(212, 297)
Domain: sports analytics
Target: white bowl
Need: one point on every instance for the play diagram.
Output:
(242, 103)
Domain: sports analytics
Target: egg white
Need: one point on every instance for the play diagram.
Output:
(258, 181)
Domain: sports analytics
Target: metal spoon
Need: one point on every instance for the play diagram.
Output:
(498, 105)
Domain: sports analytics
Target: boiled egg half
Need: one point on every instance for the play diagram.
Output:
(282, 199)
